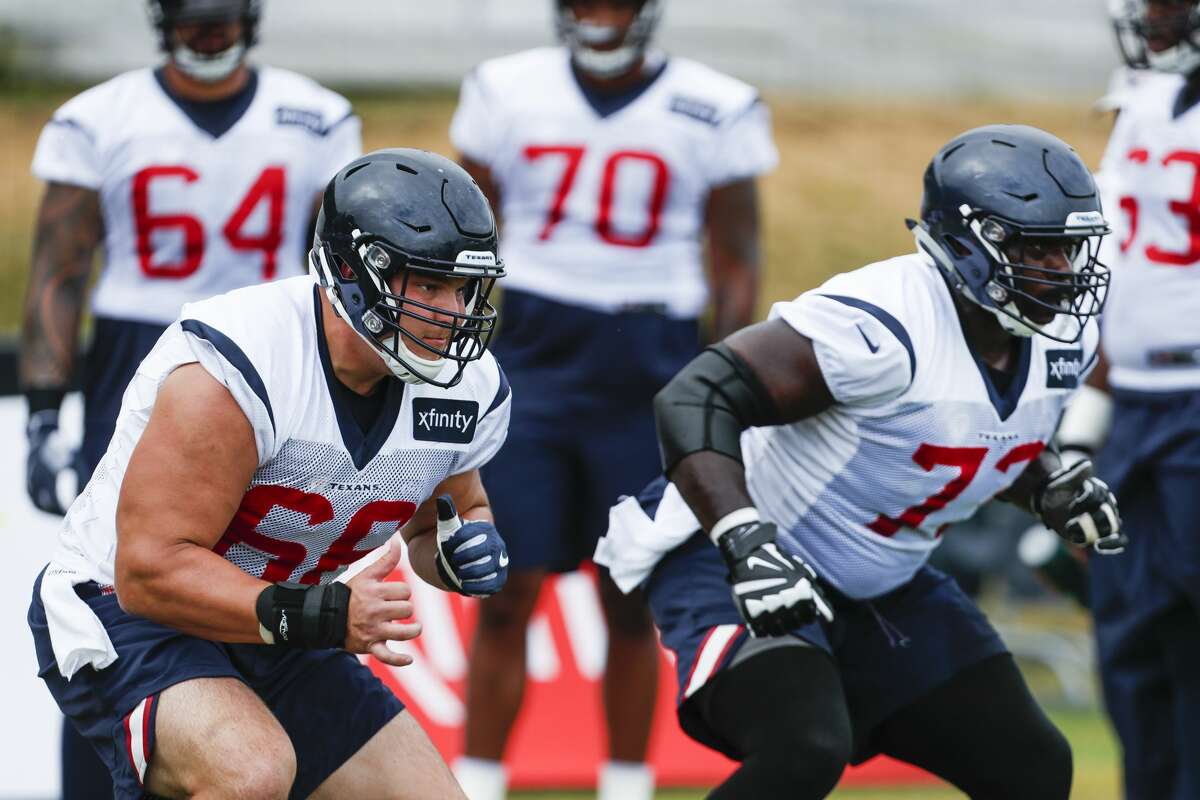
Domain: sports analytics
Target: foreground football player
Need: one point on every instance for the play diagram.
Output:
(815, 460)
(190, 626)
(196, 177)
(1146, 604)
(610, 165)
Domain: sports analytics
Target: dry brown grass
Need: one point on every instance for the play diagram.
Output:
(850, 173)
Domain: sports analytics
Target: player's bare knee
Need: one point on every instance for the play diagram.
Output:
(266, 776)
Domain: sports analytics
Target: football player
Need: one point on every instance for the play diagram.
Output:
(615, 169)
(1146, 604)
(195, 177)
(817, 458)
(195, 622)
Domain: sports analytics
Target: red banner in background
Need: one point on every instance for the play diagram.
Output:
(559, 738)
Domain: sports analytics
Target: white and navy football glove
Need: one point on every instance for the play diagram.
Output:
(471, 557)
(1081, 508)
(774, 592)
(51, 470)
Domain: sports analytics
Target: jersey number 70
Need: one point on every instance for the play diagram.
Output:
(573, 155)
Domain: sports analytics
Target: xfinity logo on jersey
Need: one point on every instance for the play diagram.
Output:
(1063, 368)
(444, 420)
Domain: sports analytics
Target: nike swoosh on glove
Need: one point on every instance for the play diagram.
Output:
(774, 592)
(1081, 508)
(471, 556)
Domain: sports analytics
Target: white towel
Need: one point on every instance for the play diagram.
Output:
(634, 543)
(76, 633)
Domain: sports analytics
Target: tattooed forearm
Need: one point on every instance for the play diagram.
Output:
(69, 227)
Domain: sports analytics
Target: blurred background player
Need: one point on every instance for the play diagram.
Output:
(197, 176)
(846, 433)
(615, 170)
(1146, 603)
(195, 622)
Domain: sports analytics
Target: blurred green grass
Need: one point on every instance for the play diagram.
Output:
(1089, 734)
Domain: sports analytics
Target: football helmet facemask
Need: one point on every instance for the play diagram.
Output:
(1012, 218)
(605, 51)
(166, 15)
(1163, 35)
(397, 214)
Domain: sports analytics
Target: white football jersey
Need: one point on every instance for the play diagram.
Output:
(600, 210)
(1150, 176)
(187, 216)
(920, 437)
(325, 492)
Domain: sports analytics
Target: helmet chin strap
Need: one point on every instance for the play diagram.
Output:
(1009, 316)
(208, 68)
(413, 369)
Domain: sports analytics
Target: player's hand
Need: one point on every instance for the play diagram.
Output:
(376, 606)
(775, 593)
(1079, 507)
(51, 473)
(471, 556)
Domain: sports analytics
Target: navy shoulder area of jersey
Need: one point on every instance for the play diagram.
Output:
(264, 331)
(698, 91)
(299, 101)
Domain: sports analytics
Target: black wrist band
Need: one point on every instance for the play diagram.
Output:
(44, 399)
(309, 617)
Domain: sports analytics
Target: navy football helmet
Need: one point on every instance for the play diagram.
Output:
(1000, 197)
(395, 213)
(165, 15)
(585, 40)
(1158, 34)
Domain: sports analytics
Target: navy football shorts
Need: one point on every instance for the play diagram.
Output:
(581, 433)
(890, 650)
(327, 701)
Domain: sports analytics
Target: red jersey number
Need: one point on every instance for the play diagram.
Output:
(269, 189)
(967, 461)
(1186, 210)
(285, 556)
(571, 156)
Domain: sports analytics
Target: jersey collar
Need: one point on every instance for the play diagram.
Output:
(215, 117)
(361, 445)
(606, 104)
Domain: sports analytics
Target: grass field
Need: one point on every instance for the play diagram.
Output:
(1095, 770)
(850, 174)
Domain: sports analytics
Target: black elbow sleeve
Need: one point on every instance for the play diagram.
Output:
(708, 405)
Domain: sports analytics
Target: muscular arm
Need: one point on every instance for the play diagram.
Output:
(784, 362)
(68, 229)
(483, 177)
(731, 219)
(184, 483)
(421, 531)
